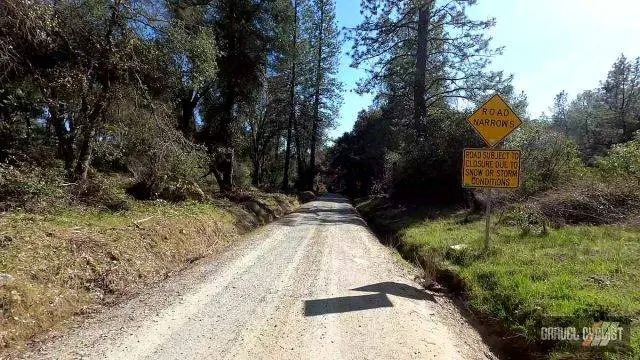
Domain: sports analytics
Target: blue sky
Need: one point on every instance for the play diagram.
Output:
(550, 46)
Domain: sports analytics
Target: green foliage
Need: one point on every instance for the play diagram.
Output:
(600, 118)
(431, 170)
(157, 156)
(195, 53)
(421, 59)
(457, 49)
(29, 187)
(570, 272)
(622, 161)
(529, 219)
(549, 158)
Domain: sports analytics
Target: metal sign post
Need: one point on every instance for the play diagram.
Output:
(487, 232)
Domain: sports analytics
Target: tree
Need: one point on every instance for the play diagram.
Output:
(425, 49)
(242, 30)
(621, 94)
(266, 125)
(589, 126)
(193, 50)
(326, 87)
(559, 112)
(75, 54)
(293, 59)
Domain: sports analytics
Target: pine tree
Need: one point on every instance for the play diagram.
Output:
(326, 87)
(621, 92)
(242, 30)
(559, 112)
(426, 51)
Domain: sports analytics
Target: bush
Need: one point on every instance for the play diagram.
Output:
(241, 174)
(160, 159)
(306, 196)
(101, 192)
(623, 160)
(549, 158)
(430, 169)
(527, 218)
(29, 187)
(589, 202)
(182, 191)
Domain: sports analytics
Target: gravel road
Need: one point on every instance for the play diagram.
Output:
(314, 285)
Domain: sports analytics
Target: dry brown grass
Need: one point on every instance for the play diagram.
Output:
(72, 262)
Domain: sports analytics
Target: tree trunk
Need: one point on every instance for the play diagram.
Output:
(84, 154)
(65, 141)
(224, 141)
(301, 168)
(187, 121)
(419, 82)
(316, 103)
(623, 115)
(292, 98)
(225, 166)
(255, 180)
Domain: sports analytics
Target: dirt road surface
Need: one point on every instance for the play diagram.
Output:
(313, 285)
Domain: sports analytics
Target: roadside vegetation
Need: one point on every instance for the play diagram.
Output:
(76, 259)
(565, 244)
(529, 277)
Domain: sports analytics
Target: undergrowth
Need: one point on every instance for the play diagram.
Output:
(73, 260)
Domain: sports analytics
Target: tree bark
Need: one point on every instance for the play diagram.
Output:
(292, 98)
(65, 140)
(84, 154)
(316, 103)
(187, 123)
(224, 151)
(300, 161)
(256, 172)
(419, 82)
(92, 118)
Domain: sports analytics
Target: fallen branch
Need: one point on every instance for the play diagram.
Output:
(138, 222)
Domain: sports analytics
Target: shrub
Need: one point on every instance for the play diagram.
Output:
(101, 192)
(549, 158)
(623, 160)
(29, 187)
(589, 202)
(160, 159)
(429, 169)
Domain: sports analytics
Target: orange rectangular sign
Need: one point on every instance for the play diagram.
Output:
(489, 168)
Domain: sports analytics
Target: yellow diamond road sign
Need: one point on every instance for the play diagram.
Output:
(494, 120)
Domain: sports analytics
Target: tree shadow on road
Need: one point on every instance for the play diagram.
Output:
(365, 302)
(397, 289)
(324, 213)
(345, 304)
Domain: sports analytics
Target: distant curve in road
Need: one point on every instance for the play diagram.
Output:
(315, 284)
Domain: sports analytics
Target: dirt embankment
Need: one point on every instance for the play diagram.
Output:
(59, 265)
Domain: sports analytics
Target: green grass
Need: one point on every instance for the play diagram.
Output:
(579, 271)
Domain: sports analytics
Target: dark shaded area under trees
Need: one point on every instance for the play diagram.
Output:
(196, 95)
